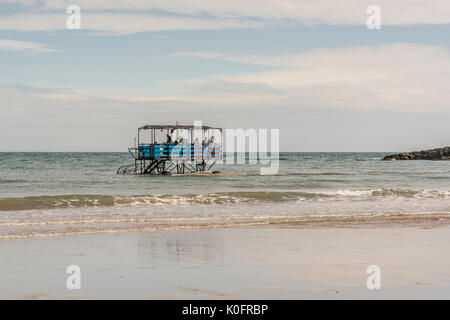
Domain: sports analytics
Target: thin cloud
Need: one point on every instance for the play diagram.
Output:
(117, 23)
(130, 16)
(196, 54)
(398, 77)
(32, 47)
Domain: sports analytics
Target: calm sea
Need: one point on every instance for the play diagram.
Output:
(44, 194)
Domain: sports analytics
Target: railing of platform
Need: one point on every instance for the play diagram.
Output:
(134, 152)
(177, 152)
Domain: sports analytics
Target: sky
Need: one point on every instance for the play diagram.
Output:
(312, 69)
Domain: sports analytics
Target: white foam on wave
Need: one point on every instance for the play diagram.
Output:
(86, 227)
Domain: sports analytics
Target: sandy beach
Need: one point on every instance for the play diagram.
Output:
(271, 262)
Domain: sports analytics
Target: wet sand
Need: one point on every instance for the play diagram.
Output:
(259, 262)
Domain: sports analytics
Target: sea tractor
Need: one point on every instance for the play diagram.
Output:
(175, 149)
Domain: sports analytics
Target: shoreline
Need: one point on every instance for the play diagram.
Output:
(85, 227)
(269, 262)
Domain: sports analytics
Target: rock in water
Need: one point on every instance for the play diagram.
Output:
(433, 154)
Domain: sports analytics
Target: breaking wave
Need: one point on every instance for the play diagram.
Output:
(79, 201)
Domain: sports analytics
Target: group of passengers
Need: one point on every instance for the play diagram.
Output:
(182, 141)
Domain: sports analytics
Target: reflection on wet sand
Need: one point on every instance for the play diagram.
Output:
(195, 247)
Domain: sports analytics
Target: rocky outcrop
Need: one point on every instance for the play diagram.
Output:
(433, 154)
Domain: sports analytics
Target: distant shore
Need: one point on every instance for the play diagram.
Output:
(273, 262)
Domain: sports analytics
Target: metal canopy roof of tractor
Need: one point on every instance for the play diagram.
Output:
(180, 126)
